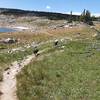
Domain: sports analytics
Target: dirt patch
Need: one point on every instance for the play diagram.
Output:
(8, 85)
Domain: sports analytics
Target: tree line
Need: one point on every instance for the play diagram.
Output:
(85, 17)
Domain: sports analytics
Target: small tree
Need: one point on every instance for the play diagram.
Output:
(88, 16)
(70, 17)
(82, 17)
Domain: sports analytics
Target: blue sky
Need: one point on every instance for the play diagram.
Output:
(63, 6)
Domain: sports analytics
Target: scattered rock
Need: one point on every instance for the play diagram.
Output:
(78, 33)
(8, 73)
(1, 93)
(10, 40)
(7, 68)
(62, 47)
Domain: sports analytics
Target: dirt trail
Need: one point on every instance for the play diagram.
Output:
(8, 85)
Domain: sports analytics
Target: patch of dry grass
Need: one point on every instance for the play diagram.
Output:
(73, 32)
(97, 26)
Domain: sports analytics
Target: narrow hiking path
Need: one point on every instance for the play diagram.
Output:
(8, 85)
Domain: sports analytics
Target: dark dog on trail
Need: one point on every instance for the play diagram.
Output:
(35, 51)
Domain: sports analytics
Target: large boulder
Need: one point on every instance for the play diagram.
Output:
(10, 40)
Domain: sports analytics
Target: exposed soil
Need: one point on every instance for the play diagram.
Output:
(8, 85)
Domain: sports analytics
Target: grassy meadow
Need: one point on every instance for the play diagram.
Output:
(72, 73)
(69, 73)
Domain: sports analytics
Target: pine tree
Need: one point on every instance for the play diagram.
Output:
(70, 17)
(86, 17)
(82, 17)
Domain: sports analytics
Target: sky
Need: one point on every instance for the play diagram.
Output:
(62, 6)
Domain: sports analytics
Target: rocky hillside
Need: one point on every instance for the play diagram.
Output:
(49, 15)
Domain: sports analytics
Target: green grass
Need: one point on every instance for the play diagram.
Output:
(70, 75)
